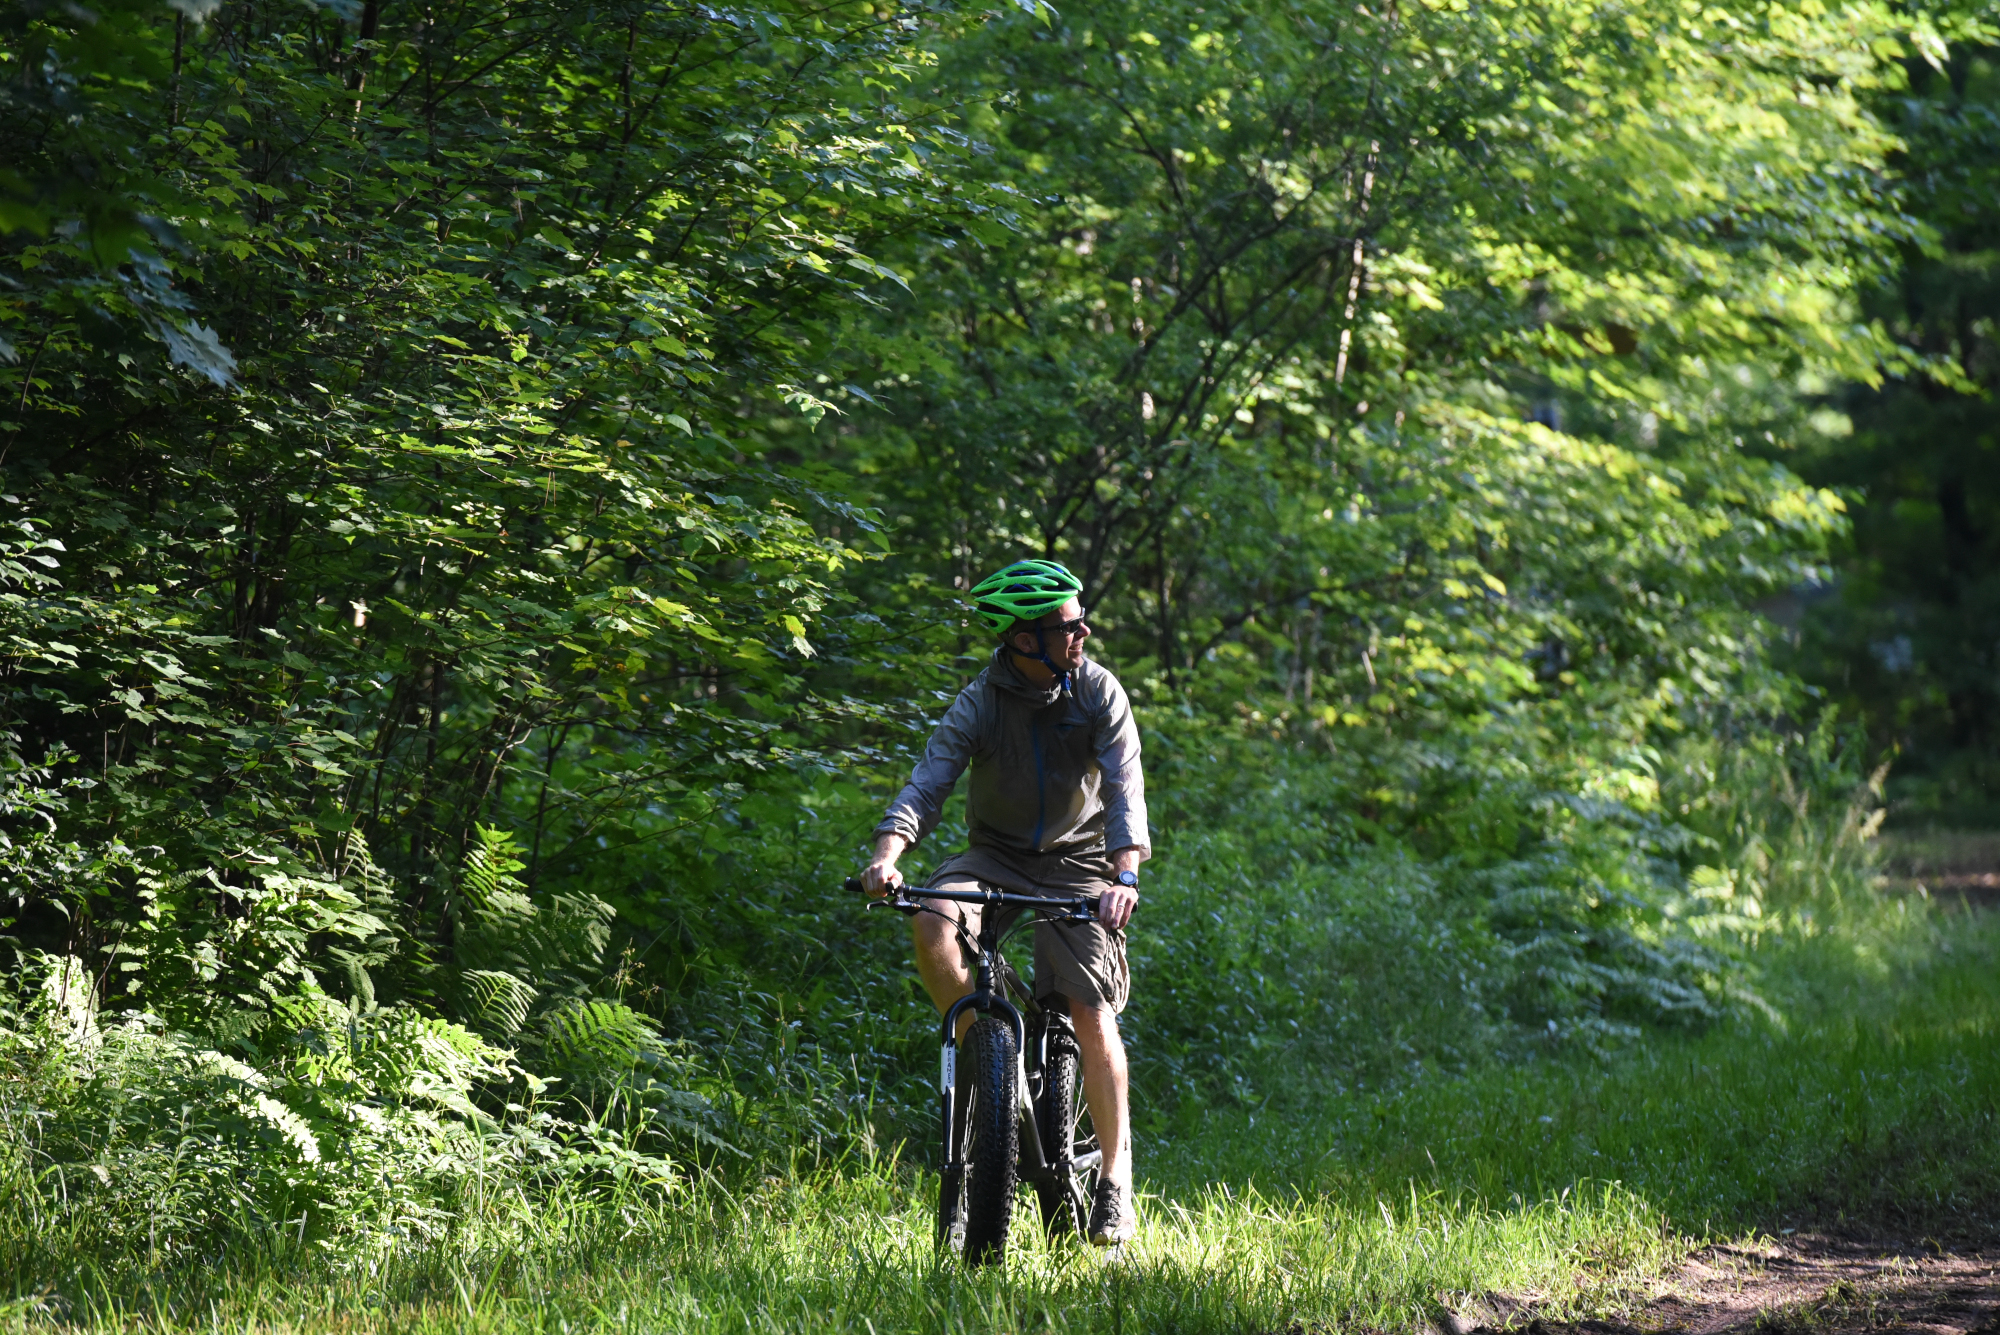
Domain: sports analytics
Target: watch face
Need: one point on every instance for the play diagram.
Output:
(1128, 878)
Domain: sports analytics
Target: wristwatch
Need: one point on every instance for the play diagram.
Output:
(1129, 879)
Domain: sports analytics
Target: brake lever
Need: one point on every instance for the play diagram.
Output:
(895, 899)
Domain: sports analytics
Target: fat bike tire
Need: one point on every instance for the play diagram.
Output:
(1056, 1112)
(992, 1125)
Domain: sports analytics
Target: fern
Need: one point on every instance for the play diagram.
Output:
(555, 949)
(488, 879)
(532, 974)
(499, 1001)
(599, 1037)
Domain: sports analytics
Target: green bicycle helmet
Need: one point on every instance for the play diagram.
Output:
(1024, 591)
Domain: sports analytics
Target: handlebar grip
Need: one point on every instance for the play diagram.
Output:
(853, 886)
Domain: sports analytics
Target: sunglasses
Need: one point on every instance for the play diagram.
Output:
(1067, 629)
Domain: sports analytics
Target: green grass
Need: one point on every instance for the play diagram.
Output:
(851, 1252)
(1873, 1095)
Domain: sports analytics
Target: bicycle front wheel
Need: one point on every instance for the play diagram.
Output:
(991, 1122)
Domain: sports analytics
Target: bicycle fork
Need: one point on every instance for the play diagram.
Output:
(984, 999)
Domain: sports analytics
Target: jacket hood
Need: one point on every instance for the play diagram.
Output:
(1008, 678)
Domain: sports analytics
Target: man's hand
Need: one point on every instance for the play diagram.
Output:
(879, 877)
(1115, 908)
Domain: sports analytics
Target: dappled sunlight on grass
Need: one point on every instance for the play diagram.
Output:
(825, 1254)
(1570, 1181)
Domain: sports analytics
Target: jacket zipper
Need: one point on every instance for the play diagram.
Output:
(1041, 797)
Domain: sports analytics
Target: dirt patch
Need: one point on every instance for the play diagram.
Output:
(1947, 865)
(1804, 1285)
(1979, 889)
(1952, 890)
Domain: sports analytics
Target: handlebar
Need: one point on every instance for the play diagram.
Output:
(1064, 908)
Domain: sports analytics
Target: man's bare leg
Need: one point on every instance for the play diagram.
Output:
(1104, 1084)
(941, 964)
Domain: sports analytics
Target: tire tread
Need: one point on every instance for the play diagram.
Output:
(993, 1141)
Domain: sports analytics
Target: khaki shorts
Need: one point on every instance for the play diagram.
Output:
(1083, 961)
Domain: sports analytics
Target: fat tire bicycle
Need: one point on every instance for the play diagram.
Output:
(1010, 1099)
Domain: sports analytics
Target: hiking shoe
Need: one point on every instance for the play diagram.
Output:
(1111, 1219)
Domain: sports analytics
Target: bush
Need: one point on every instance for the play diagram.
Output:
(306, 1120)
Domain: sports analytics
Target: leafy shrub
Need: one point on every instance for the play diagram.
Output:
(338, 1123)
(308, 1120)
(1279, 951)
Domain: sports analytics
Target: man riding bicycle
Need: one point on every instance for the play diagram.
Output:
(1056, 806)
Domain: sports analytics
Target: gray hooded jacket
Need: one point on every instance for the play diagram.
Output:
(1052, 770)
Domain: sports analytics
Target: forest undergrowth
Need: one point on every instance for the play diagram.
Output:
(1864, 1095)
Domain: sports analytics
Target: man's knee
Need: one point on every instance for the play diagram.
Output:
(935, 936)
(1095, 1024)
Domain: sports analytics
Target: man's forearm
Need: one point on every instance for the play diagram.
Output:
(890, 847)
(1129, 858)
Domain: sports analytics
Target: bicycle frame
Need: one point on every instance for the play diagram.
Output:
(985, 999)
(988, 997)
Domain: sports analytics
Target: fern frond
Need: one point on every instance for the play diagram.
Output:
(597, 1038)
(498, 1002)
(489, 868)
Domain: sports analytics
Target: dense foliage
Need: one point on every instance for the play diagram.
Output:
(288, 620)
(1903, 639)
(486, 487)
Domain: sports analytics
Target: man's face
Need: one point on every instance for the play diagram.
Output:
(1065, 650)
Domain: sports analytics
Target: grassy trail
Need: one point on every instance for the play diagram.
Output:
(1571, 1182)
